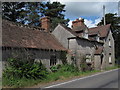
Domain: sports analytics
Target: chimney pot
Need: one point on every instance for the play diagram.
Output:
(78, 22)
(45, 23)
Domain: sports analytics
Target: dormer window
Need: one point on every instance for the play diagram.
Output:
(97, 38)
(86, 35)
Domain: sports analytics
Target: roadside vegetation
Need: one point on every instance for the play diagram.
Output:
(23, 73)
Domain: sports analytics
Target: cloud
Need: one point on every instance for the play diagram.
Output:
(79, 8)
(88, 23)
(88, 8)
(63, 1)
(91, 23)
(70, 23)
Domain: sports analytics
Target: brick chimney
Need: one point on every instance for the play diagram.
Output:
(78, 22)
(45, 23)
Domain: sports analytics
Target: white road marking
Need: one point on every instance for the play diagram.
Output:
(80, 78)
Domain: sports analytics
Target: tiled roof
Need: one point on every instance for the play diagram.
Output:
(102, 30)
(99, 50)
(79, 28)
(78, 35)
(16, 36)
(69, 29)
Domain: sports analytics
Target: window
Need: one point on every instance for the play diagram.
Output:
(110, 59)
(53, 60)
(88, 58)
(86, 35)
(97, 38)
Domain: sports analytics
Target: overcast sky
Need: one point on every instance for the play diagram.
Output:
(91, 11)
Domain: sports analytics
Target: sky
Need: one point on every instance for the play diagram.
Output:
(90, 10)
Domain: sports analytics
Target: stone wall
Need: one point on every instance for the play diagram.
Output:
(34, 54)
(78, 47)
(62, 35)
(109, 50)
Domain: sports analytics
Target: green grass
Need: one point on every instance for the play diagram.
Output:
(16, 83)
(113, 67)
(0, 83)
(59, 75)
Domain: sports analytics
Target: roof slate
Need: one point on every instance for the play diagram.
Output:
(102, 30)
(99, 50)
(16, 36)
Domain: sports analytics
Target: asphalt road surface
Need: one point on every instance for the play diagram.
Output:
(108, 79)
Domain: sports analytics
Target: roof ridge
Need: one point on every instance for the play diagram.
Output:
(22, 25)
(99, 26)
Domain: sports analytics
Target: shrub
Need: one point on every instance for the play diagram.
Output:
(117, 61)
(63, 57)
(69, 68)
(83, 64)
(55, 68)
(24, 69)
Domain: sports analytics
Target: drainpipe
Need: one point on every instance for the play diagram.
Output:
(68, 43)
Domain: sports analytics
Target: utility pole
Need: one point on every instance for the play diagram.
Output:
(119, 9)
(104, 14)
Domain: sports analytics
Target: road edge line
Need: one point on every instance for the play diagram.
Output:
(81, 78)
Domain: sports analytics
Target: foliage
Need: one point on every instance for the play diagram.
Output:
(12, 10)
(62, 74)
(55, 68)
(30, 12)
(20, 69)
(64, 68)
(55, 11)
(68, 68)
(19, 82)
(115, 27)
(63, 57)
(74, 61)
(84, 66)
(117, 61)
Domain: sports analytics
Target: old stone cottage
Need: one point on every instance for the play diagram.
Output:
(35, 42)
(95, 45)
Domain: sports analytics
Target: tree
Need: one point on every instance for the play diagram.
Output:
(32, 13)
(23, 12)
(11, 10)
(115, 27)
(113, 20)
(55, 12)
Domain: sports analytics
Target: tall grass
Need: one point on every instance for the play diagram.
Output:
(63, 73)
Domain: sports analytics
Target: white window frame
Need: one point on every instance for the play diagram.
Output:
(88, 58)
(86, 35)
(110, 58)
(98, 38)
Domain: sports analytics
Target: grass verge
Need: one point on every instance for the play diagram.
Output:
(54, 76)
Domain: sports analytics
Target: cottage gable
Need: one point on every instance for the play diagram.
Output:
(83, 41)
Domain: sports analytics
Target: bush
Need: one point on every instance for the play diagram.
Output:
(24, 69)
(63, 57)
(117, 61)
(64, 68)
(55, 68)
(68, 68)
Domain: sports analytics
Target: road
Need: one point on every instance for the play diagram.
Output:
(108, 79)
